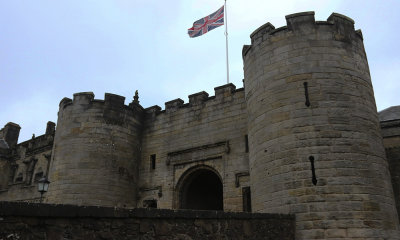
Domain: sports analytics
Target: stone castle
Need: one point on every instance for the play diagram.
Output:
(302, 136)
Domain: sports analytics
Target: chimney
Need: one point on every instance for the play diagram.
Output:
(10, 133)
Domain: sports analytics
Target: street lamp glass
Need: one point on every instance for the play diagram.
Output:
(43, 185)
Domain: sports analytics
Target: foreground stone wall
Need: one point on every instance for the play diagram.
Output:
(24, 221)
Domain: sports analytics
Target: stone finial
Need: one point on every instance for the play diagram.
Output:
(136, 97)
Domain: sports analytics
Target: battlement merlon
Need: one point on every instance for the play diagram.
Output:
(303, 22)
(198, 98)
(114, 100)
(173, 104)
(266, 28)
(65, 102)
(83, 98)
(224, 90)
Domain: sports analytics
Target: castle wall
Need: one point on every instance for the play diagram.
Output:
(10, 134)
(24, 166)
(390, 125)
(96, 152)
(316, 146)
(5, 171)
(207, 131)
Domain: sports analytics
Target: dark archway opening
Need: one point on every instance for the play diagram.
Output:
(202, 190)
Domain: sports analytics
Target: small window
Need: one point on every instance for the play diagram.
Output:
(38, 176)
(153, 161)
(150, 203)
(246, 141)
(246, 199)
(19, 178)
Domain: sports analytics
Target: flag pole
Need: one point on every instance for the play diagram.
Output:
(226, 38)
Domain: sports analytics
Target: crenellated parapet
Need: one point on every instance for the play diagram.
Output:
(41, 143)
(112, 109)
(222, 95)
(112, 103)
(37, 144)
(304, 23)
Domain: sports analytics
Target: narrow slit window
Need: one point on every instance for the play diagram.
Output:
(246, 140)
(307, 103)
(314, 177)
(246, 199)
(153, 161)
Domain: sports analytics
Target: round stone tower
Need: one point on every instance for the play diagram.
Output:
(316, 147)
(96, 152)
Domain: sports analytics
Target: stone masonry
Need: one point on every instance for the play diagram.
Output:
(301, 137)
(312, 113)
(27, 221)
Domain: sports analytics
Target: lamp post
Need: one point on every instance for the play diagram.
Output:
(43, 186)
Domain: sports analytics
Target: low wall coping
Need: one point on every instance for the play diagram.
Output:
(25, 209)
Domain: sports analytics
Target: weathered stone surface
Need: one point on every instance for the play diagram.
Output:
(43, 221)
(96, 152)
(24, 164)
(390, 125)
(302, 137)
(309, 94)
(206, 132)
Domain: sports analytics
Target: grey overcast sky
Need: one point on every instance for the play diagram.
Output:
(52, 49)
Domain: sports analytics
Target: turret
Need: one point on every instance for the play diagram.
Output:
(316, 146)
(96, 151)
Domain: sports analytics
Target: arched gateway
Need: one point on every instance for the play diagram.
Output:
(199, 188)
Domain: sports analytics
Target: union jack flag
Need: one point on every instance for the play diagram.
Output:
(202, 26)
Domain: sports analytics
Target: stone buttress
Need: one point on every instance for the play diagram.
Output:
(96, 152)
(316, 146)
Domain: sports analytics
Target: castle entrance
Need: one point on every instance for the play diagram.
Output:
(201, 189)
